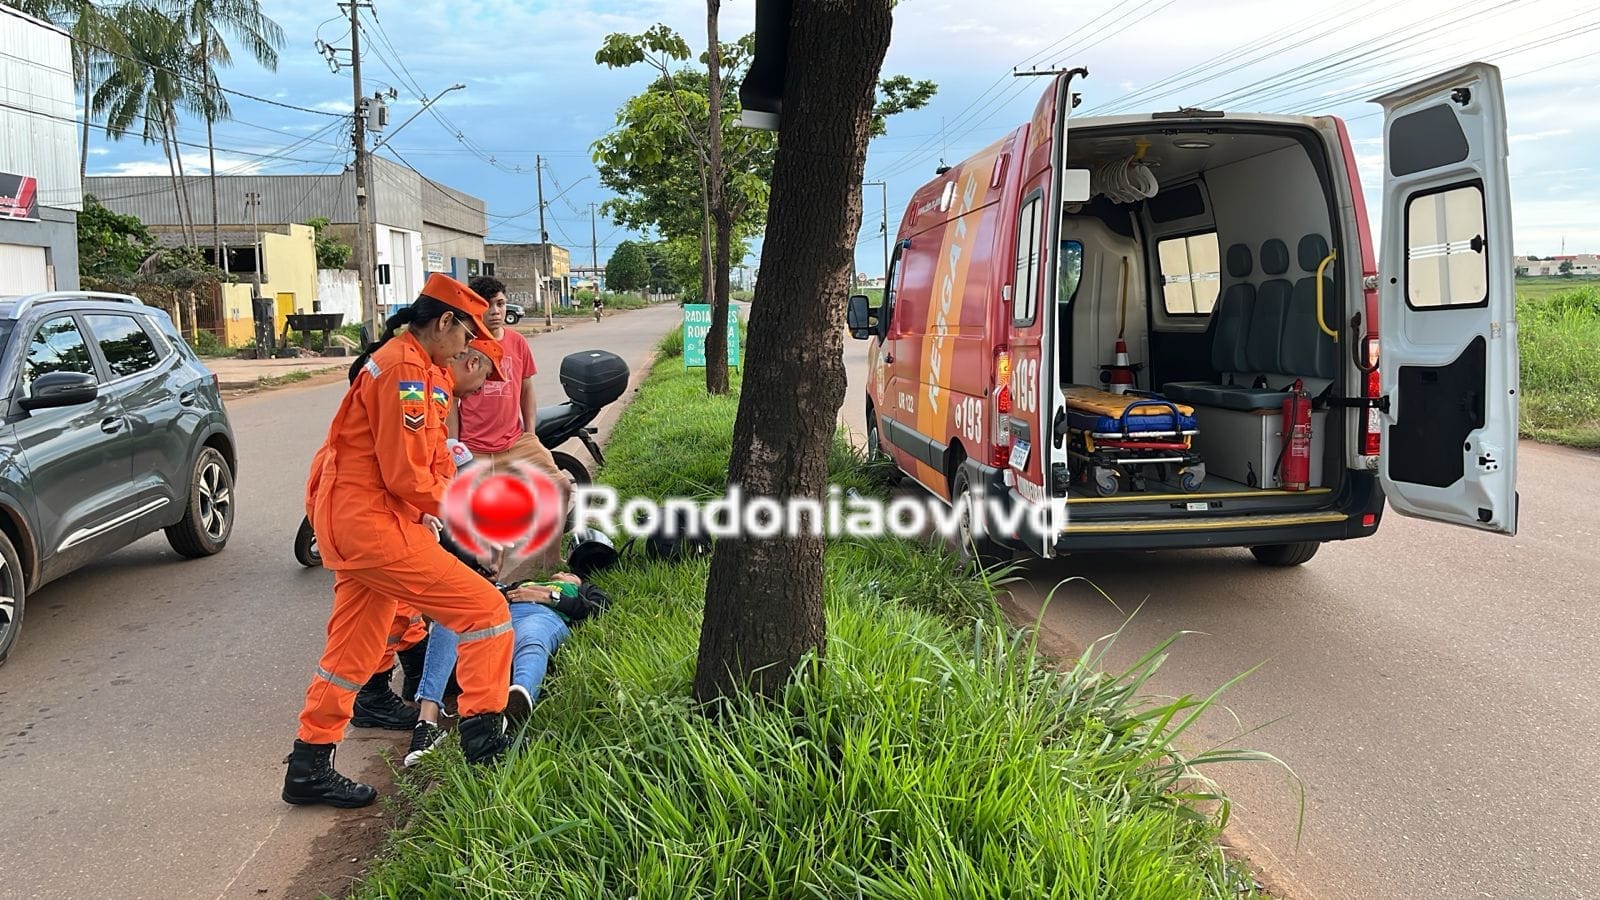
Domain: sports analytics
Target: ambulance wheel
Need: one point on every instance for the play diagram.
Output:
(976, 551)
(1105, 481)
(208, 521)
(1285, 554)
(305, 546)
(1194, 477)
(875, 452)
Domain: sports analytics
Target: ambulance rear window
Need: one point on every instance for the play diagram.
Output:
(1191, 274)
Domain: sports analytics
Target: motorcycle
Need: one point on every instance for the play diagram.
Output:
(555, 425)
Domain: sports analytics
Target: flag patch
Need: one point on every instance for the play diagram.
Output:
(411, 390)
(441, 396)
(372, 367)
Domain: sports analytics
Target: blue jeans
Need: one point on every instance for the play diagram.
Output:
(537, 629)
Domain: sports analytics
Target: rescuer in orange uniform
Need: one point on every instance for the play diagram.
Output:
(377, 705)
(375, 499)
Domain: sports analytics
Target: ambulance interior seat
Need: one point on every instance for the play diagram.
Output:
(1263, 343)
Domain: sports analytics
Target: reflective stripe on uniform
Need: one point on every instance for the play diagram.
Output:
(489, 632)
(336, 681)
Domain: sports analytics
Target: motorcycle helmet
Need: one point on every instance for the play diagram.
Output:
(591, 551)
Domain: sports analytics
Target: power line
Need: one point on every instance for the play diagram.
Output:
(178, 75)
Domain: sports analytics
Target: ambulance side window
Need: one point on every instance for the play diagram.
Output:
(1025, 280)
(890, 283)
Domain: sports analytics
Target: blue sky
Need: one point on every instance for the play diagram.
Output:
(533, 88)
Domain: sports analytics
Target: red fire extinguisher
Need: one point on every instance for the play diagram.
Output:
(1295, 457)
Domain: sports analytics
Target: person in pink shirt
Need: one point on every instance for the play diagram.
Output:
(497, 423)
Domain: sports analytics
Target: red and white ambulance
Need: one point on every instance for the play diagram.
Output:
(1122, 318)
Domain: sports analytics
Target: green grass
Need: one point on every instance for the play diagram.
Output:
(1539, 287)
(933, 755)
(1560, 349)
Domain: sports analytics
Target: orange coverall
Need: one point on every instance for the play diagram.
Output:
(383, 465)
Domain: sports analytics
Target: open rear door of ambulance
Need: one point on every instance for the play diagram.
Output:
(1447, 304)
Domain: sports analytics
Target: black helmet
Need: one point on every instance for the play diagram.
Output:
(591, 551)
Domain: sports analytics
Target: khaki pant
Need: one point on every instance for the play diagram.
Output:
(527, 449)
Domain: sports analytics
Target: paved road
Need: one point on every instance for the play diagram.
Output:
(149, 702)
(1436, 689)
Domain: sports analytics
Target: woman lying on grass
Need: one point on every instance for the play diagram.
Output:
(543, 614)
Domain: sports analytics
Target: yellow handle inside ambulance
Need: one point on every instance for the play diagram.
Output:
(1321, 322)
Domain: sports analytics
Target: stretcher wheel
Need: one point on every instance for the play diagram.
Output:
(1193, 477)
(1105, 481)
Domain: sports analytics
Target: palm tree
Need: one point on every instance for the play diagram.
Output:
(148, 83)
(92, 28)
(203, 23)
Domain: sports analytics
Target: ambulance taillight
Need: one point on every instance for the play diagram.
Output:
(1002, 408)
(1372, 434)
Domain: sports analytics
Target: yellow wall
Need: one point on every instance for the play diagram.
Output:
(291, 264)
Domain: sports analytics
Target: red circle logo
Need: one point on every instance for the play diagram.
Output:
(486, 514)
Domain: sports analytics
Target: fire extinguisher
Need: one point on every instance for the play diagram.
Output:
(1294, 459)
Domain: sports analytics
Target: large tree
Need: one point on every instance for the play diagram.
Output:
(764, 603)
(681, 164)
(628, 270)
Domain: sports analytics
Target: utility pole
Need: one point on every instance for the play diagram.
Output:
(253, 200)
(364, 249)
(594, 245)
(544, 240)
(885, 186)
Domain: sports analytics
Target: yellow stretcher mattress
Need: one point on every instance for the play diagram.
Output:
(1103, 413)
(1105, 403)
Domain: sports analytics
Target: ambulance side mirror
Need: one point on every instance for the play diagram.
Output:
(1075, 186)
(860, 317)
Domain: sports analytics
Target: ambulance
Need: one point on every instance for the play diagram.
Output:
(1172, 331)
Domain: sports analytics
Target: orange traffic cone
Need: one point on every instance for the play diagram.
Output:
(1121, 370)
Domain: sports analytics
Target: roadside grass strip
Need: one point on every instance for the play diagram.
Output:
(933, 754)
(1559, 340)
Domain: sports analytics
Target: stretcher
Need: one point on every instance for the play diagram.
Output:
(1122, 436)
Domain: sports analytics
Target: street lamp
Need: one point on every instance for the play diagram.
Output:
(425, 105)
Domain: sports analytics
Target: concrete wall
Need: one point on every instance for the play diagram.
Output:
(291, 264)
(56, 232)
(338, 291)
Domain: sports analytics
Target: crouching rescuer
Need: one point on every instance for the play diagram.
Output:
(374, 499)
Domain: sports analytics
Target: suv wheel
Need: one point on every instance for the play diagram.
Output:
(209, 519)
(12, 591)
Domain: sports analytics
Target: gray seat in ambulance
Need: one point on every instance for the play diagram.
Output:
(1280, 341)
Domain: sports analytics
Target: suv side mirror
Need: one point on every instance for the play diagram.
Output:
(57, 389)
(860, 317)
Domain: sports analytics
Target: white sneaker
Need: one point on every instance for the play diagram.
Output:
(424, 738)
(519, 705)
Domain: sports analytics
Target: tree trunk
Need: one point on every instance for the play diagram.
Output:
(717, 337)
(88, 103)
(218, 258)
(177, 197)
(183, 181)
(764, 608)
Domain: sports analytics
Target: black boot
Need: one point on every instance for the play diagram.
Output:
(312, 779)
(411, 665)
(378, 706)
(483, 737)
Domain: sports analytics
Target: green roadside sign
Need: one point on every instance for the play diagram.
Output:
(696, 325)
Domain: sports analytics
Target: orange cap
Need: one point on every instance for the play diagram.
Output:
(456, 295)
(496, 353)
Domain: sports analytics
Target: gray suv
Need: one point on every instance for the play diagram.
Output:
(113, 429)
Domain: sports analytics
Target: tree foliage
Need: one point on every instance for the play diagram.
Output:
(628, 270)
(111, 244)
(332, 252)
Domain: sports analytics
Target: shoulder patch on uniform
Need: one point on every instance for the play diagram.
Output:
(441, 396)
(411, 390)
(372, 367)
(414, 421)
